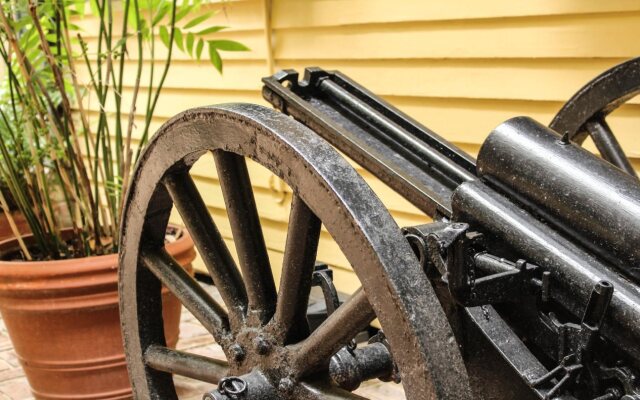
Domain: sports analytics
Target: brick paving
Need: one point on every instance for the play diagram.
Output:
(193, 338)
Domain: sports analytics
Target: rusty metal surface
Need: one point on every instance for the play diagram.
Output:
(257, 346)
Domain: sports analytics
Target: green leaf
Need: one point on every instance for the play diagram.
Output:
(164, 36)
(228, 45)
(190, 39)
(79, 5)
(177, 36)
(197, 20)
(215, 58)
(160, 15)
(93, 5)
(121, 44)
(199, 48)
(132, 19)
(184, 10)
(213, 29)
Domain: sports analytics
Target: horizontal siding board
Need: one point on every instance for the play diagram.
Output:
(591, 35)
(315, 13)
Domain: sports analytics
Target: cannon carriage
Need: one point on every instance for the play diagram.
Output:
(524, 286)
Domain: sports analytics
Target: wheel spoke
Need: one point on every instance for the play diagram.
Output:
(188, 291)
(341, 326)
(247, 234)
(209, 241)
(193, 366)
(608, 145)
(297, 270)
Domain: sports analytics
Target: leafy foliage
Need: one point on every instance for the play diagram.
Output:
(64, 166)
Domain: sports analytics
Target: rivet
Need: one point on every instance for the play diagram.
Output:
(237, 352)
(262, 345)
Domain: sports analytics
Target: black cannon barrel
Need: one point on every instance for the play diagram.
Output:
(578, 193)
(574, 271)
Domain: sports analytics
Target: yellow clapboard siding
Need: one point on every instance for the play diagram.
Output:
(542, 79)
(532, 79)
(253, 39)
(237, 75)
(178, 100)
(236, 15)
(440, 114)
(600, 35)
(458, 67)
(312, 13)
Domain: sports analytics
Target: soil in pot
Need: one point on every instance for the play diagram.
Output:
(63, 319)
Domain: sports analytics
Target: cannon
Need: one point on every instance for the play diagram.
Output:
(523, 286)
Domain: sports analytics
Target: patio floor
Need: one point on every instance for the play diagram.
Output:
(193, 338)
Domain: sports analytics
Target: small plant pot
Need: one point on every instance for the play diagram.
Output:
(63, 319)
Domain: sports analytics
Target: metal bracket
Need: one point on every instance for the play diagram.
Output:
(323, 277)
(430, 242)
(503, 281)
(575, 343)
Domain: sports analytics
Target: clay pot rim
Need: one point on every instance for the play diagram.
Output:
(74, 265)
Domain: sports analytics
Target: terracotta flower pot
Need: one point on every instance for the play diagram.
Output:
(63, 320)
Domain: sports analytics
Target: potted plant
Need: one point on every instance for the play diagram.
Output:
(67, 165)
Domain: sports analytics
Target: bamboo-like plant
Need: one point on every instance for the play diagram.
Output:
(65, 166)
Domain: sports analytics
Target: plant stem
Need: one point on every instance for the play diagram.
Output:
(14, 228)
(132, 111)
(165, 71)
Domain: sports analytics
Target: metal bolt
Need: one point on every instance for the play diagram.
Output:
(262, 345)
(286, 385)
(232, 387)
(237, 352)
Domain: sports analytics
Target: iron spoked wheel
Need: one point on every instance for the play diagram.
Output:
(585, 113)
(264, 332)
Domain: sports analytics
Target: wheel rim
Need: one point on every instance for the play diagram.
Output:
(585, 113)
(325, 189)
